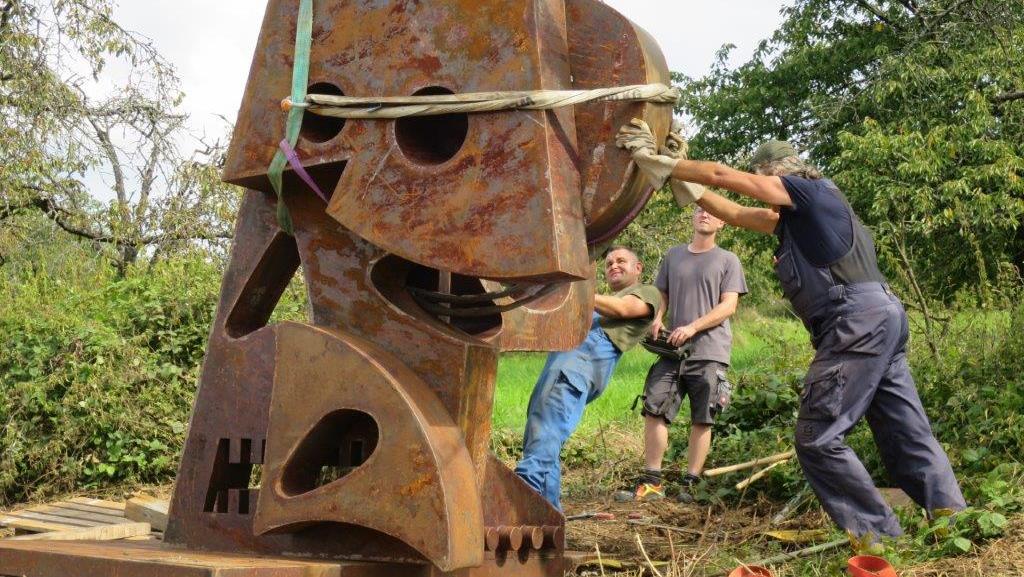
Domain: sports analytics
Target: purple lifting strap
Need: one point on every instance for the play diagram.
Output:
(293, 160)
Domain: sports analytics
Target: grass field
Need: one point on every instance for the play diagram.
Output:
(753, 335)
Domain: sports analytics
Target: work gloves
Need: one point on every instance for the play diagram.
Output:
(656, 162)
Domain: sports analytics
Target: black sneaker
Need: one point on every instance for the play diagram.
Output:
(686, 486)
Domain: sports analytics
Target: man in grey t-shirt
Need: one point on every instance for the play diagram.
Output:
(701, 284)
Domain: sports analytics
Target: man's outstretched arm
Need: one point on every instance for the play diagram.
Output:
(625, 307)
(751, 218)
(767, 189)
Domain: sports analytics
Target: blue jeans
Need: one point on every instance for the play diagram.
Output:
(570, 380)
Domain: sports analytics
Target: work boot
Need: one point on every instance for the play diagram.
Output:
(686, 486)
(644, 492)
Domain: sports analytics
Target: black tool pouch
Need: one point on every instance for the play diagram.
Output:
(660, 347)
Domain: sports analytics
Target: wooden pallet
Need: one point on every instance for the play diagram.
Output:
(81, 518)
(70, 515)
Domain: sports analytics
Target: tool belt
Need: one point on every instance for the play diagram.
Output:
(663, 349)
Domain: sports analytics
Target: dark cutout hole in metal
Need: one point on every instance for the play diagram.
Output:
(393, 275)
(233, 473)
(319, 129)
(431, 139)
(263, 290)
(327, 453)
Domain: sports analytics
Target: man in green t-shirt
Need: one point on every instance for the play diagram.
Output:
(572, 379)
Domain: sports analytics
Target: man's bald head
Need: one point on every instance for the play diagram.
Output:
(622, 267)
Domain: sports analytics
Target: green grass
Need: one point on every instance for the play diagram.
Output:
(517, 372)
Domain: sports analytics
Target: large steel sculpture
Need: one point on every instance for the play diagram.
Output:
(362, 436)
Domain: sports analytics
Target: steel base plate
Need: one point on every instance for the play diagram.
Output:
(154, 559)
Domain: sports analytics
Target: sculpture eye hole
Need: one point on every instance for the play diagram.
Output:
(431, 139)
(320, 129)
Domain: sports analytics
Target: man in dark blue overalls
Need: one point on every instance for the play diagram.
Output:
(827, 265)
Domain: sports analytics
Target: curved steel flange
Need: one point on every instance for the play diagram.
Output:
(418, 485)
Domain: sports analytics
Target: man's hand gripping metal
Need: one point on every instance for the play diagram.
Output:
(656, 162)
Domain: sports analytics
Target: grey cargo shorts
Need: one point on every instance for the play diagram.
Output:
(666, 385)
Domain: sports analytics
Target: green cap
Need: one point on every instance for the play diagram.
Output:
(771, 151)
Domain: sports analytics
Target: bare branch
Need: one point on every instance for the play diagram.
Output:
(103, 135)
(148, 176)
(59, 216)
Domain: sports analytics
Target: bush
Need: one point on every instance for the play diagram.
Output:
(98, 376)
(98, 373)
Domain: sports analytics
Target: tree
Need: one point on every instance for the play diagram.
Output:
(914, 107)
(55, 139)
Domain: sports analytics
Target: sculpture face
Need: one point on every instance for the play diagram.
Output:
(505, 195)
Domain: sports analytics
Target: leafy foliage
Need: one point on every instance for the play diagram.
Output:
(97, 372)
(916, 113)
(105, 170)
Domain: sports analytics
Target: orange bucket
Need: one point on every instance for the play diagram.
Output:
(869, 566)
(751, 571)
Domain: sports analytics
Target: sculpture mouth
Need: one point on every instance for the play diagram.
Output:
(469, 304)
(482, 304)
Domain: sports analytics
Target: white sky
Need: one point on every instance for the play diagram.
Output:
(211, 42)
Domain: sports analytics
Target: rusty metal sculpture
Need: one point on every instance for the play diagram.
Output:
(363, 435)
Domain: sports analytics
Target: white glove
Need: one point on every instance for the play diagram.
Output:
(686, 193)
(636, 136)
(655, 168)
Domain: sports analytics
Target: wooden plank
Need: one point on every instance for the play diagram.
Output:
(101, 533)
(148, 509)
(152, 559)
(75, 514)
(89, 508)
(33, 526)
(49, 519)
(98, 503)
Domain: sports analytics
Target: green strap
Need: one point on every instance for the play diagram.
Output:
(300, 78)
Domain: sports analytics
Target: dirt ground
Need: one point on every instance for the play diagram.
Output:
(683, 540)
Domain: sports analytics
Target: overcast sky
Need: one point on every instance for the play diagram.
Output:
(211, 42)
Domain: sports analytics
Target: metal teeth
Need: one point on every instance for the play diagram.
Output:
(491, 538)
(554, 536)
(511, 537)
(522, 537)
(534, 536)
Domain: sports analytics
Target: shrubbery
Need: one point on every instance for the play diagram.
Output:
(98, 375)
